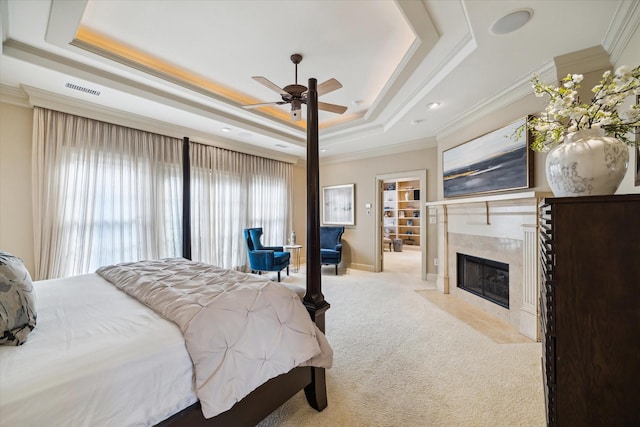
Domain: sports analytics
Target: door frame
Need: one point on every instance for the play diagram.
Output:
(421, 174)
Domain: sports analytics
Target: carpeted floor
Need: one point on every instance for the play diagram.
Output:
(405, 262)
(401, 360)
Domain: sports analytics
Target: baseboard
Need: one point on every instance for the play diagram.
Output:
(363, 267)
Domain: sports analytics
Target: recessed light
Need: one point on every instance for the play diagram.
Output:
(432, 105)
(356, 102)
(511, 22)
(281, 146)
(415, 122)
(226, 129)
(323, 150)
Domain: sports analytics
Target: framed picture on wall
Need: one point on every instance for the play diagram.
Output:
(338, 205)
(497, 161)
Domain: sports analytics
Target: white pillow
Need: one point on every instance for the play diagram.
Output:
(17, 301)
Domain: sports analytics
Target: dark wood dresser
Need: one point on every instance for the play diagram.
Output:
(590, 310)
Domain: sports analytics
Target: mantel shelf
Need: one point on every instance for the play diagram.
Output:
(493, 198)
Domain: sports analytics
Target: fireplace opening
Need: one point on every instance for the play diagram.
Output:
(484, 277)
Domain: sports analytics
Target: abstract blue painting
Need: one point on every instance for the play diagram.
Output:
(497, 161)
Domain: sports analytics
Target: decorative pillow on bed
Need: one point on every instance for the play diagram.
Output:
(17, 301)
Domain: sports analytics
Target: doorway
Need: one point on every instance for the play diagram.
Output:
(400, 226)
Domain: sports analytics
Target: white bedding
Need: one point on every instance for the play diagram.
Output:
(136, 374)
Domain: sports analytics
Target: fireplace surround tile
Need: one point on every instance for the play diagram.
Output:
(508, 251)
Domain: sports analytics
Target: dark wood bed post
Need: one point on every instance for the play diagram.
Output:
(269, 396)
(316, 392)
(186, 200)
(313, 298)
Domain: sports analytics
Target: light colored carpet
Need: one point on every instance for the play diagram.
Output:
(400, 360)
(405, 262)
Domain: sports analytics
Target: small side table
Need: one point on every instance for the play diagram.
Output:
(387, 241)
(295, 253)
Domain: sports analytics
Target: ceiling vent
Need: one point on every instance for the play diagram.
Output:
(83, 89)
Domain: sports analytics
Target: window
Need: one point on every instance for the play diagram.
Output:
(232, 191)
(104, 194)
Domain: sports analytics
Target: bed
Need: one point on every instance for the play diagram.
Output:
(102, 341)
(140, 371)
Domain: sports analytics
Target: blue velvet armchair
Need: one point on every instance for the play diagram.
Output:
(265, 258)
(331, 246)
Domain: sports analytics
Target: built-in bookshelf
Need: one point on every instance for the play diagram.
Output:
(401, 210)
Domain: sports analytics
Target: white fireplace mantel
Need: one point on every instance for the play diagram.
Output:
(509, 197)
(484, 219)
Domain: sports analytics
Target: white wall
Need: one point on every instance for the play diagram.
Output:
(360, 248)
(16, 218)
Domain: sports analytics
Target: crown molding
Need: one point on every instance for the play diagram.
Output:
(624, 24)
(53, 101)
(594, 58)
(499, 100)
(64, 20)
(14, 95)
(462, 50)
(427, 36)
(350, 133)
(42, 58)
(420, 144)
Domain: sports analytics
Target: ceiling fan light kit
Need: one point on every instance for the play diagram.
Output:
(296, 94)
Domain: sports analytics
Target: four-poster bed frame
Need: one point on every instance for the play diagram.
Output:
(269, 396)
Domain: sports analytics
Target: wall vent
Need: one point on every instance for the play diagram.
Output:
(83, 89)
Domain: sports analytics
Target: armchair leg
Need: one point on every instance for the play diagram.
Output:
(287, 270)
(278, 276)
(336, 269)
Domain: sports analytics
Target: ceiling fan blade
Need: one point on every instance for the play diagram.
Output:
(328, 86)
(339, 109)
(263, 104)
(266, 82)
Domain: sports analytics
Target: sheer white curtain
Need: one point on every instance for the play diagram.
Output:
(102, 194)
(231, 191)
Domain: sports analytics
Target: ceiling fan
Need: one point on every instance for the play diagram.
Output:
(296, 94)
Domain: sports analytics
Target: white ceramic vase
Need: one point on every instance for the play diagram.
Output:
(587, 163)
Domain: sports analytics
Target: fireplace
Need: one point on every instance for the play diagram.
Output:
(484, 277)
(500, 227)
